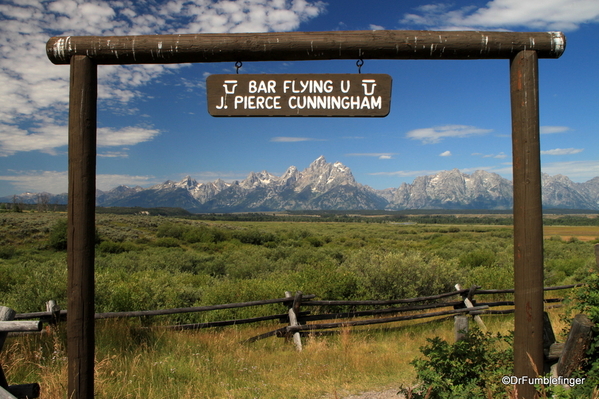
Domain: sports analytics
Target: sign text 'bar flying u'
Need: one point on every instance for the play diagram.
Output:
(360, 95)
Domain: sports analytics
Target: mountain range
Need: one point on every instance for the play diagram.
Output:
(332, 186)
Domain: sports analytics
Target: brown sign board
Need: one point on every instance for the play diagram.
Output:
(299, 95)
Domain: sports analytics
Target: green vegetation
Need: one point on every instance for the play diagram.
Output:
(151, 262)
(154, 262)
(586, 300)
(472, 366)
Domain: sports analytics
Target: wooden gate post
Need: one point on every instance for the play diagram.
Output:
(528, 220)
(81, 227)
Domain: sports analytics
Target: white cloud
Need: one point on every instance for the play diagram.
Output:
(50, 137)
(554, 129)
(108, 137)
(575, 170)
(107, 182)
(434, 135)
(376, 27)
(501, 155)
(406, 173)
(566, 15)
(34, 93)
(563, 151)
(57, 182)
(445, 154)
(38, 181)
(113, 154)
(46, 139)
(379, 155)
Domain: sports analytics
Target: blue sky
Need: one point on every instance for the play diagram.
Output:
(153, 123)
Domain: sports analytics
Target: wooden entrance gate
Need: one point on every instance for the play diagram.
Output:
(84, 53)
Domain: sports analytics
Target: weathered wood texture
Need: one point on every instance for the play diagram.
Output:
(286, 46)
(528, 220)
(20, 326)
(6, 314)
(469, 304)
(460, 327)
(285, 331)
(579, 339)
(548, 334)
(81, 227)
(555, 351)
(294, 310)
(8, 325)
(162, 312)
(4, 394)
(306, 301)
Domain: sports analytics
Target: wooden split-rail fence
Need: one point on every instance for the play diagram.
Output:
(8, 324)
(300, 321)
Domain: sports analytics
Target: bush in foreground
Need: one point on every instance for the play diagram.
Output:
(471, 368)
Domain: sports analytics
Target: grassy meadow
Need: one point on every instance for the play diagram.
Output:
(153, 262)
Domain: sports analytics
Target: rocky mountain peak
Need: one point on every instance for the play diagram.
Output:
(325, 185)
(320, 176)
(187, 183)
(261, 179)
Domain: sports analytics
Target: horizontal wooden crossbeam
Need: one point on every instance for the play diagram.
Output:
(288, 46)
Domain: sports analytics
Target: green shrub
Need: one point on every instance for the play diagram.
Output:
(587, 302)
(470, 368)
(171, 230)
(7, 252)
(112, 247)
(395, 274)
(58, 235)
(254, 237)
(34, 281)
(476, 258)
(167, 242)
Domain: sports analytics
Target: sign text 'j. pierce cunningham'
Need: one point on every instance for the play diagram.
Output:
(299, 95)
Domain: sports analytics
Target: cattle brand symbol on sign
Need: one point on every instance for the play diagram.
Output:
(299, 95)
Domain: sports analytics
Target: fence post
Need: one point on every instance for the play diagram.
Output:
(293, 317)
(578, 341)
(6, 314)
(53, 308)
(469, 304)
(460, 327)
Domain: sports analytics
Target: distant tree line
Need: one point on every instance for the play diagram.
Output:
(559, 217)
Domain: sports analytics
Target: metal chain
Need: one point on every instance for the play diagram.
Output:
(359, 64)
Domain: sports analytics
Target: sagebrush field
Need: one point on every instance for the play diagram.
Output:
(153, 262)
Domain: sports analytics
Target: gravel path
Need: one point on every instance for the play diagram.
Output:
(388, 394)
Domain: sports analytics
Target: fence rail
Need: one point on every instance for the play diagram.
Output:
(298, 304)
(299, 322)
(8, 324)
(307, 300)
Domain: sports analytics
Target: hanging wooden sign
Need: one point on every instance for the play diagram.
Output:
(299, 95)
